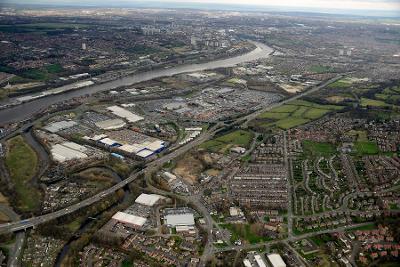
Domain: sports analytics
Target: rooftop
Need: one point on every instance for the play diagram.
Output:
(148, 199)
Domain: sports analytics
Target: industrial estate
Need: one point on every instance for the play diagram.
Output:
(189, 137)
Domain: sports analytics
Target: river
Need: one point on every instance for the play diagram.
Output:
(27, 110)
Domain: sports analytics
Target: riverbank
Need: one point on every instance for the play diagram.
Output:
(27, 110)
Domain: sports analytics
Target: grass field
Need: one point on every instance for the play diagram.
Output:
(366, 227)
(372, 102)
(342, 83)
(274, 116)
(293, 114)
(321, 69)
(390, 95)
(316, 148)
(223, 143)
(361, 135)
(321, 239)
(291, 122)
(54, 68)
(35, 74)
(366, 148)
(244, 232)
(22, 162)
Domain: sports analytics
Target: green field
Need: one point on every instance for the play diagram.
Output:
(274, 116)
(342, 83)
(316, 148)
(244, 232)
(284, 108)
(390, 95)
(372, 102)
(360, 135)
(291, 122)
(35, 74)
(315, 113)
(293, 114)
(54, 68)
(366, 227)
(22, 163)
(366, 148)
(223, 143)
(321, 69)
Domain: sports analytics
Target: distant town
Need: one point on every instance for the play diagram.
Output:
(182, 137)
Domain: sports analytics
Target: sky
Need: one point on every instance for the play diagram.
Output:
(328, 4)
(356, 6)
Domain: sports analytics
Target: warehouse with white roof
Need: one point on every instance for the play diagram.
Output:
(112, 124)
(148, 199)
(183, 219)
(276, 260)
(123, 113)
(129, 219)
(67, 151)
(59, 125)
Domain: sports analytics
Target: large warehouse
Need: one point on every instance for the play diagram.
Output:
(276, 260)
(123, 113)
(111, 124)
(68, 151)
(179, 217)
(129, 219)
(148, 199)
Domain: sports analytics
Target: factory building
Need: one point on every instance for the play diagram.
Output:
(126, 114)
(129, 220)
(112, 124)
(68, 151)
(276, 260)
(149, 199)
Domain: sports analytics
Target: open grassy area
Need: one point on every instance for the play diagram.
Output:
(342, 83)
(315, 113)
(321, 69)
(247, 232)
(274, 116)
(291, 122)
(54, 68)
(321, 239)
(390, 96)
(360, 135)
(372, 102)
(35, 74)
(366, 148)
(223, 143)
(293, 114)
(22, 162)
(320, 149)
(366, 227)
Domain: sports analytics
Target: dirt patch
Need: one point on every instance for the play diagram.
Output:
(337, 99)
(95, 174)
(213, 172)
(3, 199)
(3, 218)
(292, 88)
(189, 167)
